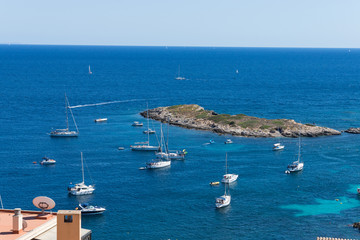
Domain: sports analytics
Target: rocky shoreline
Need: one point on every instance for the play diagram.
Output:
(196, 117)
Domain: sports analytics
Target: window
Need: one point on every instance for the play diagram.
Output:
(68, 218)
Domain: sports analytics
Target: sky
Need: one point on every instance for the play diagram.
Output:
(222, 23)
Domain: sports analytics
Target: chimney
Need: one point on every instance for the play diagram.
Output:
(68, 225)
(17, 221)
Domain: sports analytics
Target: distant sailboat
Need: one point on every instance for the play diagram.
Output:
(298, 165)
(90, 72)
(179, 76)
(81, 188)
(66, 132)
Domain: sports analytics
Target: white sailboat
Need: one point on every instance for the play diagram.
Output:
(145, 146)
(297, 165)
(90, 72)
(167, 154)
(179, 76)
(66, 132)
(81, 188)
(228, 177)
(224, 200)
(160, 162)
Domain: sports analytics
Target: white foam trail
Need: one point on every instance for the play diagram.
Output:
(104, 103)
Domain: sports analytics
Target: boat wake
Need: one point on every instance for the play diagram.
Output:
(104, 103)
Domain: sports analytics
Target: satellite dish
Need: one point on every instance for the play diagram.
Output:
(44, 203)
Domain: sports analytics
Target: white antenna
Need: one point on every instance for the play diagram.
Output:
(44, 203)
(82, 167)
(2, 206)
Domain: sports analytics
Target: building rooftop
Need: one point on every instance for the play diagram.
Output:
(34, 226)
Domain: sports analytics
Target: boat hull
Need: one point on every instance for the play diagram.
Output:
(159, 164)
(223, 201)
(64, 134)
(299, 168)
(81, 192)
(144, 148)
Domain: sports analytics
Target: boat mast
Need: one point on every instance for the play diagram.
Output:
(226, 163)
(2, 206)
(66, 111)
(299, 145)
(167, 139)
(72, 115)
(147, 116)
(82, 168)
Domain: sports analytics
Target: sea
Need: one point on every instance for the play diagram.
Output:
(317, 86)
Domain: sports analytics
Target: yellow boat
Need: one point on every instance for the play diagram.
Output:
(214, 183)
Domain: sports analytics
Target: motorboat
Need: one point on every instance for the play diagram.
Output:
(224, 200)
(81, 188)
(228, 177)
(66, 132)
(88, 209)
(172, 155)
(47, 161)
(150, 131)
(137, 124)
(101, 120)
(278, 146)
(228, 141)
(158, 163)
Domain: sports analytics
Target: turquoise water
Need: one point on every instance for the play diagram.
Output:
(307, 85)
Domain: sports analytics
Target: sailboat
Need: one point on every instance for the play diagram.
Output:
(224, 200)
(160, 162)
(81, 188)
(297, 165)
(90, 72)
(179, 77)
(145, 146)
(66, 132)
(228, 177)
(165, 153)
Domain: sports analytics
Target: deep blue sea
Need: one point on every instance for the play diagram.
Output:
(319, 86)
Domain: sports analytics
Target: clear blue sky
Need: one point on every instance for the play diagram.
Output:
(238, 23)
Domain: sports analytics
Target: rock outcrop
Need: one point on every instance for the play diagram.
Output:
(195, 117)
(353, 130)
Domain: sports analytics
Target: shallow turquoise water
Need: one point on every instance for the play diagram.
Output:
(308, 85)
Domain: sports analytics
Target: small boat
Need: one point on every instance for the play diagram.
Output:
(228, 177)
(137, 124)
(211, 141)
(90, 72)
(228, 141)
(278, 146)
(150, 131)
(297, 165)
(214, 183)
(121, 148)
(158, 163)
(179, 76)
(47, 161)
(88, 209)
(101, 120)
(66, 132)
(224, 200)
(81, 188)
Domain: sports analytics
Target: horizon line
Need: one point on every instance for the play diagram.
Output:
(166, 46)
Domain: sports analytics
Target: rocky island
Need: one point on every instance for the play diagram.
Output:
(196, 117)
